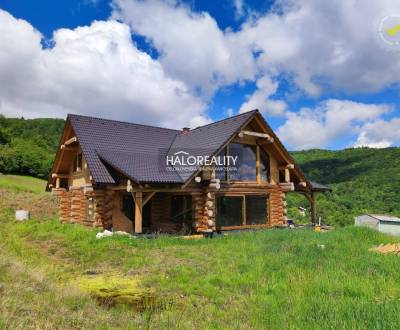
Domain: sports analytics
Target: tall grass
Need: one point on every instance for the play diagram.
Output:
(271, 279)
(264, 279)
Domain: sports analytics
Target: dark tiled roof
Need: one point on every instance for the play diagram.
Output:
(138, 151)
(140, 167)
(100, 135)
(208, 139)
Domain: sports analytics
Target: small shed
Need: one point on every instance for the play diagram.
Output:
(383, 223)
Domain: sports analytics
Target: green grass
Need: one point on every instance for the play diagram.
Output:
(22, 183)
(269, 279)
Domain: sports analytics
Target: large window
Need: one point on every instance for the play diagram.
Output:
(256, 210)
(229, 211)
(265, 172)
(246, 164)
(246, 167)
(233, 211)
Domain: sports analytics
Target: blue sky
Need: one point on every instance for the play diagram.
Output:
(169, 63)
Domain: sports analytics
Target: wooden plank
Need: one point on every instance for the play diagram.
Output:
(245, 227)
(138, 212)
(313, 209)
(266, 136)
(148, 197)
(57, 162)
(287, 175)
(60, 175)
(258, 165)
(244, 220)
(70, 141)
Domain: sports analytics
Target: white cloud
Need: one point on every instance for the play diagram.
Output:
(332, 119)
(323, 45)
(239, 8)
(192, 47)
(327, 44)
(379, 134)
(260, 99)
(93, 70)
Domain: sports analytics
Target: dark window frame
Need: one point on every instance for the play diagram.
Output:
(244, 209)
(78, 163)
(260, 153)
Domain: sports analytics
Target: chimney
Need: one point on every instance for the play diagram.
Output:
(185, 130)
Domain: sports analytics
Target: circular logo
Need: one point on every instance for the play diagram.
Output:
(389, 31)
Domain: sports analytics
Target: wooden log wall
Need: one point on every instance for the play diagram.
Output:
(74, 206)
(104, 208)
(64, 203)
(276, 206)
(204, 211)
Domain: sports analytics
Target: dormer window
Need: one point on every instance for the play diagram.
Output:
(77, 163)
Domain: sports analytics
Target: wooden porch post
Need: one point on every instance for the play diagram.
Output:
(287, 175)
(138, 212)
(313, 209)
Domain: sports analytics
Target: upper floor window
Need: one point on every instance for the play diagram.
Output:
(251, 161)
(265, 172)
(77, 163)
(246, 161)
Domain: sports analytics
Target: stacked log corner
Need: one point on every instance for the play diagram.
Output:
(74, 206)
(204, 212)
(277, 204)
(64, 204)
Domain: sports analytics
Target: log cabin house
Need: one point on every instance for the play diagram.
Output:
(115, 175)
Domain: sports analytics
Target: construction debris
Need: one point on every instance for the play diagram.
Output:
(387, 248)
(22, 215)
(108, 233)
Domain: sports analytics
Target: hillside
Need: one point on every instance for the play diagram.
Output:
(27, 146)
(55, 276)
(363, 180)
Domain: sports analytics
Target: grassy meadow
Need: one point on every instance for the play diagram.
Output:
(270, 279)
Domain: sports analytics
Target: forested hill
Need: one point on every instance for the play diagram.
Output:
(363, 180)
(27, 146)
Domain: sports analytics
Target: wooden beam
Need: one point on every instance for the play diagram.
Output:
(287, 186)
(57, 182)
(266, 136)
(68, 148)
(70, 141)
(58, 175)
(258, 165)
(287, 175)
(66, 132)
(313, 208)
(138, 212)
(148, 197)
(289, 166)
